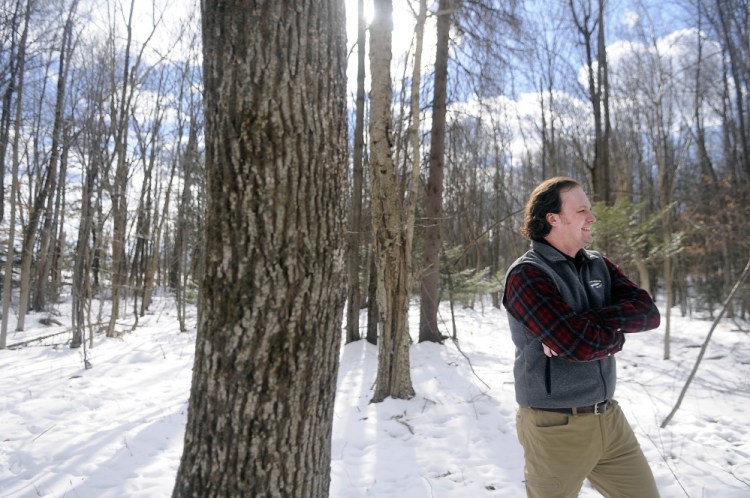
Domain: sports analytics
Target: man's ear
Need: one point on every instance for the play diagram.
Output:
(551, 218)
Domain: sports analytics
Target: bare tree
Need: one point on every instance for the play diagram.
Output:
(590, 26)
(43, 202)
(430, 288)
(393, 377)
(261, 404)
(148, 136)
(355, 220)
(187, 212)
(10, 29)
(90, 81)
(122, 109)
(732, 22)
(414, 142)
(9, 254)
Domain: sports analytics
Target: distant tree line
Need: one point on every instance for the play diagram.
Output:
(101, 143)
(651, 115)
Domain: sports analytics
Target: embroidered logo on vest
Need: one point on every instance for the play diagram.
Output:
(595, 284)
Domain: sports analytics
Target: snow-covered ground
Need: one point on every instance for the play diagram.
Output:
(116, 430)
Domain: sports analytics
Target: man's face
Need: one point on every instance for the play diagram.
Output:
(571, 227)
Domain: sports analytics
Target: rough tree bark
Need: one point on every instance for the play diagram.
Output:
(261, 405)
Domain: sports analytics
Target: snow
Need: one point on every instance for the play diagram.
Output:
(116, 430)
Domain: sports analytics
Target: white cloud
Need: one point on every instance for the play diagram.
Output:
(156, 24)
(630, 18)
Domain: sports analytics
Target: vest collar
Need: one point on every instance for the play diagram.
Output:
(552, 254)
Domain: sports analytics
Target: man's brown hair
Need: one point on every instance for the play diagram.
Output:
(544, 199)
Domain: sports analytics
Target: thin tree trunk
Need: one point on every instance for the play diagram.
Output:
(372, 299)
(51, 186)
(737, 286)
(7, 108)
(42, 204)
(393, 377)
(430, 288)
(416, 82)
(665, 198)
(353, 262)
(55, 266)
(669, 293)
(120, 183)
(188, 166)
(736, 63)
(29, 241)
(604, 173)
(141, 257)
(119, 270)
(9, 255)
(81, 288)
(156, 251)
(707, 168)
(586, 23)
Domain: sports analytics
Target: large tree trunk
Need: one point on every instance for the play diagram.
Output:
(430, 289)
(393, 377)
(261, 405)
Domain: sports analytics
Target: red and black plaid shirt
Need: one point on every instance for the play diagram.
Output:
(532, 298)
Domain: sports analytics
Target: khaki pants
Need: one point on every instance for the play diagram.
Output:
(562, 450)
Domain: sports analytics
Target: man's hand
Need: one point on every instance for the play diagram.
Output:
(548, 351)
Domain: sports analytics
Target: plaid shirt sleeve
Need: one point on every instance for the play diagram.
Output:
(533, 299)
(632, 309)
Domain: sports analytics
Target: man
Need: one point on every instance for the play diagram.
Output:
(569, 309)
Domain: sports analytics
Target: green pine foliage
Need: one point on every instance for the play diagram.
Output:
(467, 285)
(631, 235)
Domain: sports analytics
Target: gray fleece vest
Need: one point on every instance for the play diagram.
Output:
(544, 382)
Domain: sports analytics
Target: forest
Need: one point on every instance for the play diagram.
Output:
(268, 162)
(101, 126)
